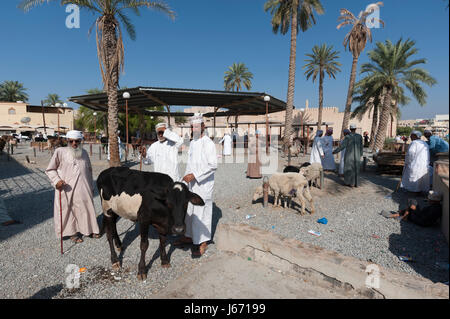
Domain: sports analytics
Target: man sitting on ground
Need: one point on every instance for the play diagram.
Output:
(425, 217)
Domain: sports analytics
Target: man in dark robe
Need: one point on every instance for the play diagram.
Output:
(353, 145)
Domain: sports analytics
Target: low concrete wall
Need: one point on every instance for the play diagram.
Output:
(347, 273)
(441, 185)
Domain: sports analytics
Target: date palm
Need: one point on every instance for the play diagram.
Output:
(392, 70)
(236, 76)
(293, 14)
(111, 14)
(323, 59)
(13, 91)
(52, 99)
(355, 41)
(370, 101)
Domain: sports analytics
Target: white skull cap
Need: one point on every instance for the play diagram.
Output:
(160, 125)
(74, 135)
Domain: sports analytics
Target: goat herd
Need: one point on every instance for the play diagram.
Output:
(293, 182)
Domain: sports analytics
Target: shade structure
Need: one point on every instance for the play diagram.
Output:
(225, 103)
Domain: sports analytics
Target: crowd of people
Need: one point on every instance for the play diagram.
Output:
(70, 172)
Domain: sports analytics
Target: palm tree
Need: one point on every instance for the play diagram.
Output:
(355, 40)
(52, 99)
(392, 71)
(235, 76)
(285, 15)
(110, 48)
(323, 59)
(13, 91)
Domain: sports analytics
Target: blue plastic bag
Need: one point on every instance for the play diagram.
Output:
(323, 220)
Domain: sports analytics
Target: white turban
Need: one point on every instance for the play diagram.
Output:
(196, 119)
(74, 135)
(160, 125)
(416, 133)
(352, 126)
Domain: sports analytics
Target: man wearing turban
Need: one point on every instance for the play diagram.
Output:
(70, 172)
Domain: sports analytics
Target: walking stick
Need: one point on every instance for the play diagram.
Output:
(61, 225)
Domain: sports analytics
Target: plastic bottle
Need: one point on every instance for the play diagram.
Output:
(249, 216)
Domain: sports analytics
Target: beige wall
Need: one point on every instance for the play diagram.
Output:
(51, 119)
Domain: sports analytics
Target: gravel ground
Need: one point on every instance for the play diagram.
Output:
(31, 265)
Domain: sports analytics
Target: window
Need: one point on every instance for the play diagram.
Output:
(11, 111)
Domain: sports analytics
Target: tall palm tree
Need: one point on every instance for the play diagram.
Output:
(392, 70)
(13, 91)
(323, 59)
(110, 49)
(236, 76)
(355, 40)
(285, 14)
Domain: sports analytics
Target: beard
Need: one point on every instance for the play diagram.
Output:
(76, 152)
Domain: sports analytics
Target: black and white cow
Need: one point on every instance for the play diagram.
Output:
(148, 198)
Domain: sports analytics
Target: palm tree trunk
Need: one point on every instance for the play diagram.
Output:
(291, 80)
(384, 119)
(110, 40)
(319, 119)
(348, 104)
(373, 129)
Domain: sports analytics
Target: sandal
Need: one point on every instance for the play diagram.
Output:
(200, 250)
(76, 239)
(95, 236)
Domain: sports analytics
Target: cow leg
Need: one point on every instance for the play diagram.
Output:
(162, 251)
(116, 237)
(110, 225)
(142, 275)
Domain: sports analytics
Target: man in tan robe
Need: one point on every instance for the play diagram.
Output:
(254, 163)
(70, 172)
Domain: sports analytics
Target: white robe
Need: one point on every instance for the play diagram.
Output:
(226, 144)
(316, 151)
(416, 176)
(121, 150)
(164, 155)
(328, 162)
(202, 163)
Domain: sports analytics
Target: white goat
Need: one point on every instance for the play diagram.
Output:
(284, 184)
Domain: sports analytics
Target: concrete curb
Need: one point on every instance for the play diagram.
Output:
(323, 266)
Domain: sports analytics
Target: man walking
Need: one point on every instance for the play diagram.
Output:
(164, 153)
(226, 140)
(353, 146)
(70, 172)
(199, 176)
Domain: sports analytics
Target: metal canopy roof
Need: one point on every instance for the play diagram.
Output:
(236, 103)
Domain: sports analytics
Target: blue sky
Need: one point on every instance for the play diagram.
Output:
(207, 36)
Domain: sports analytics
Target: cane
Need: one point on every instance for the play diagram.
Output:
(61, 225)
